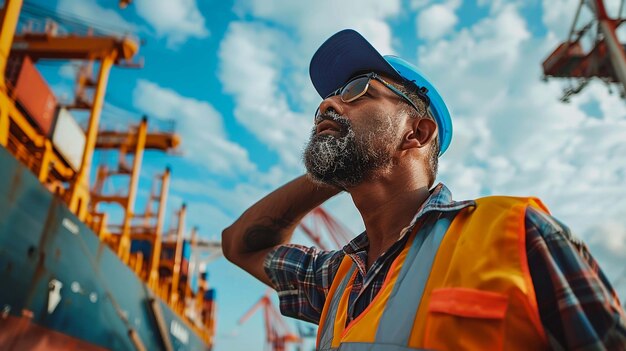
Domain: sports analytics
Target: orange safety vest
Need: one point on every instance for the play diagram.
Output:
(479, 294)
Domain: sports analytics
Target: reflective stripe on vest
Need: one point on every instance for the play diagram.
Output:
(407, 292)
(461, 282)
(327, 337)
(364, 346)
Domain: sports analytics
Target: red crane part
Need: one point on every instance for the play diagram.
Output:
(277, 333)
(605, 60)
(320, 218)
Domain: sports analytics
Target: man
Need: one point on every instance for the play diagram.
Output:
(428, 272)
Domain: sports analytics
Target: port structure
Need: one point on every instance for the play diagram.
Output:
(277, 332)
(129, 144)
(161, 269)
(29, 144)
(33, 147)
(606, 59)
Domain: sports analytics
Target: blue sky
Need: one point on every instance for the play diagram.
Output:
(234, 77)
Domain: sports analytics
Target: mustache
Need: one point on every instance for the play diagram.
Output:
(328, 115)
(342, 121)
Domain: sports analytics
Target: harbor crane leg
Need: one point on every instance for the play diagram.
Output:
(153, 277)
(79, 193)
(123, 250)
(8, 17)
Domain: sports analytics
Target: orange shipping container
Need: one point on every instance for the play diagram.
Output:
(32, 92)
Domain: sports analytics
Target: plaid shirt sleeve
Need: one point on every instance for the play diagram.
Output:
(578, 307)
(302, 276)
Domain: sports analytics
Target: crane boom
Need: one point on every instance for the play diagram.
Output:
(605, 60)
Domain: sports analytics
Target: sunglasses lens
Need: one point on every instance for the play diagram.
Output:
(354, 89)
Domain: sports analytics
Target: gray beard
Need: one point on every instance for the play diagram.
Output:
(347, 160)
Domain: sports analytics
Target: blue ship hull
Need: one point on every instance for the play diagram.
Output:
(58, 276)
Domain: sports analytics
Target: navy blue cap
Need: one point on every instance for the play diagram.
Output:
(348, 53)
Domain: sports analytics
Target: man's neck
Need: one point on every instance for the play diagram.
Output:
(387, 206)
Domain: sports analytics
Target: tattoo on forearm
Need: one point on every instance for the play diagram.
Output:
(259, 237)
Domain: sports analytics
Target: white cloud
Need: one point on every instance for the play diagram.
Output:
(199, 124)
(419, 4)
(467, 67)
(436, 21)
(314, 21)
(175, 20)
(250, 70)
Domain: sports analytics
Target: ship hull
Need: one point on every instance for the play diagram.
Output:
(60, 284)
(19, 333)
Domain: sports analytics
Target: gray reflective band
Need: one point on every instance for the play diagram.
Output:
(366, 346)
(329, 324)
(396, 323)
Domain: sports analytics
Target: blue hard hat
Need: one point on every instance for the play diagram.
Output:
(348, 53)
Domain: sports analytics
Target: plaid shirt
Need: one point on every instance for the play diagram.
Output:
(578, 307)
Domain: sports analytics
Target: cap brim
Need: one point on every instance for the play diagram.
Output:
(341, 57)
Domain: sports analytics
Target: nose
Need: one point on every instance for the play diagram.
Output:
(330, 103)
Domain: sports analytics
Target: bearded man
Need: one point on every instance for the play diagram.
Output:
(428, 272)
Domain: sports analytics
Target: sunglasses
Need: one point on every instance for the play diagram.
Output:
(357, 87)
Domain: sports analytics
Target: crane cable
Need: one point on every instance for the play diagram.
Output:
(71, 20)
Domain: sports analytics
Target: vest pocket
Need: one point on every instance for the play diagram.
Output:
(465, 319)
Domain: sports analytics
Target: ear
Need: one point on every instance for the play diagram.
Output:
(423, 130)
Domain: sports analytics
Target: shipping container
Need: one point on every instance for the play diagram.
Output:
(209, 295)
(69, 139)
(32, 92)
(168, 250)
(186, 250)
(143, 246)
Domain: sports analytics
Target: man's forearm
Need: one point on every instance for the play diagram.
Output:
(271, 221)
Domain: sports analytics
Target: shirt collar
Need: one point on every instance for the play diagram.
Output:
(440, 200)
